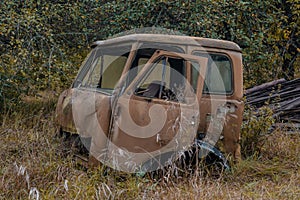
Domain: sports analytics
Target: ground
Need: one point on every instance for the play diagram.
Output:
(34, 164)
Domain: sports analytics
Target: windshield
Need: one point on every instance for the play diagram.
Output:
(103, 68)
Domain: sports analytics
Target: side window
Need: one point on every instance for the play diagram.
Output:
(219, 75)
(141, 63)
(137, 66)
(160, 73)
(165, 80)
(144, 53)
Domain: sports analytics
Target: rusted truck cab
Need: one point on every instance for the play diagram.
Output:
(137, 92)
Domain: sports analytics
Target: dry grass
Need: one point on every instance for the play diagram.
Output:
(35, 165)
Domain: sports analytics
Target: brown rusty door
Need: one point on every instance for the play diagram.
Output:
(159, 112)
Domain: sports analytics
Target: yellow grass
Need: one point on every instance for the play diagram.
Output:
(34, 164)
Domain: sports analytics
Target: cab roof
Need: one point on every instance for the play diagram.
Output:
(171, 39)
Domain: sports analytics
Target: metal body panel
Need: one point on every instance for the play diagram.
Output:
(106, 107)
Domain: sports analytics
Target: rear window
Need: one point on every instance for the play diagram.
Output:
(219, 74)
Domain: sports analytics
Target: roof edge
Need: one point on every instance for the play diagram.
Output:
(172, 39)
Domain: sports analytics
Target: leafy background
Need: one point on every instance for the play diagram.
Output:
(43, 42)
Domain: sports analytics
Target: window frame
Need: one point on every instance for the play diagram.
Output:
(87, 64)
(201, 53)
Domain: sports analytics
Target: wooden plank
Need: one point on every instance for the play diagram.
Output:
(283, 98)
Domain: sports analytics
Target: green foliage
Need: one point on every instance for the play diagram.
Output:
(256, 125)
(265, 30)
(35, 52)
(42, 43)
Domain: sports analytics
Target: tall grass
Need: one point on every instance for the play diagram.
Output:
(35, 164)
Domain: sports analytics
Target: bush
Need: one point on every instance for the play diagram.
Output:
(256, 125)
(42, 43)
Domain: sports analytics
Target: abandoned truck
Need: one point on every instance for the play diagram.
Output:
(142, 100)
